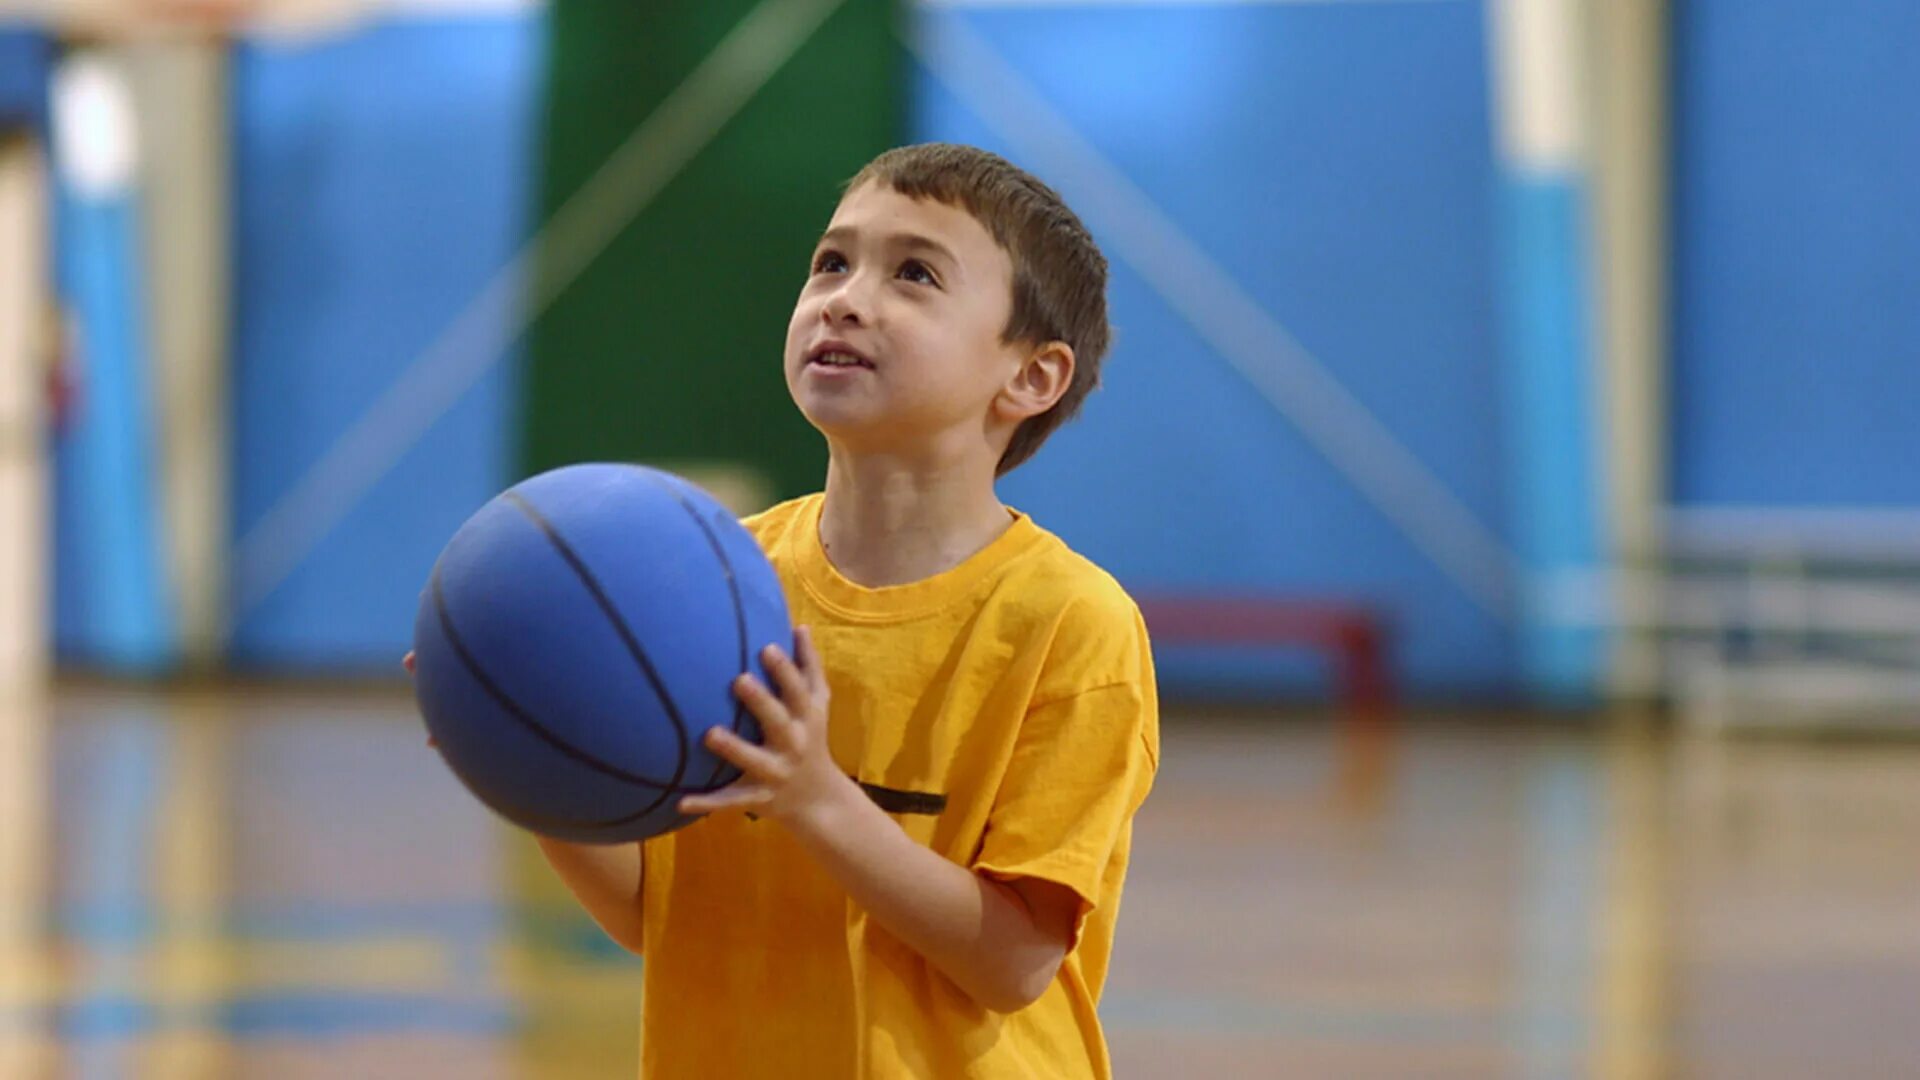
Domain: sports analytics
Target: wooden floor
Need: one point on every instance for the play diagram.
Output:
(281, 885)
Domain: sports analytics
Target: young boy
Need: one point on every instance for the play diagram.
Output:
(917, 874)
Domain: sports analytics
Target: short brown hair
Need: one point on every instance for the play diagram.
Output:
(1059, 275)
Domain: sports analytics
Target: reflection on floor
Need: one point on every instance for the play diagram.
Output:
(279, 884)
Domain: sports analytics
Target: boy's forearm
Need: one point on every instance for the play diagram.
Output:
(976, 931)
(606, 881)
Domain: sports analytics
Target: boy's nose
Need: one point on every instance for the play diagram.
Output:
(843, 306)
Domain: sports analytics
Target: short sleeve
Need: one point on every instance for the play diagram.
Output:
(1081, 767)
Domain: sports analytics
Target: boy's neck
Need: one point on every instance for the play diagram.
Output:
(891, 522)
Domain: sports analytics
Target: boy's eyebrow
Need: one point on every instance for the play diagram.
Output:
(843, 234)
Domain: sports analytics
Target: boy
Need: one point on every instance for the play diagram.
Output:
(924, 878)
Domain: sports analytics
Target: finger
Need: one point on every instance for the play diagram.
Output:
(775, 721)
(789, 678)
(741, 796)
(757, 762)
(809, 656)
(407, 661)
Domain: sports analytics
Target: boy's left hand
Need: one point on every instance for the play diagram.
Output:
(792, 770)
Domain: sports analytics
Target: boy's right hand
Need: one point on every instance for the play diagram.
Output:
(407, 662)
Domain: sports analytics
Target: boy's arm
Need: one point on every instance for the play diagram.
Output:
(606, 880)
(1001, 942)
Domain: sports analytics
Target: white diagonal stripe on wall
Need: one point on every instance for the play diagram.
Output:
(1253, 342)
(474, 341)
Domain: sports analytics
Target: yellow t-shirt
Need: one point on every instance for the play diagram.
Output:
(1004, 713)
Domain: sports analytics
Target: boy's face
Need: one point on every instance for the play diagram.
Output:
(895, 342)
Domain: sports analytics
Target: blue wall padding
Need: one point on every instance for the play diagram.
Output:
(112, 603)
(1796, 222)
(381, 181)
(1555, 488)
(24, 58)
(1336, 161)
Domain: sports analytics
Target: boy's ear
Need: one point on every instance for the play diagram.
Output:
(1037, 383)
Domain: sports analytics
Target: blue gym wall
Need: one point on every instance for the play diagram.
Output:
(1796, 362)
(380, 181)
(24, 54)
(1334, 158)
(1336, 161)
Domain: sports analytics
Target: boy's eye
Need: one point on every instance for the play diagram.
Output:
(917, 272)
(828, 262)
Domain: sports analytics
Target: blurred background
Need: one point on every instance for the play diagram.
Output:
(1511, 435)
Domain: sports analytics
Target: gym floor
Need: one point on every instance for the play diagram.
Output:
(255, 883)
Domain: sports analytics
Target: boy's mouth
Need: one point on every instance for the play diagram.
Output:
(836, 354)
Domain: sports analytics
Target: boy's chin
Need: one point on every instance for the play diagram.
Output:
(855, 435)
(850, 438)
(838, 421)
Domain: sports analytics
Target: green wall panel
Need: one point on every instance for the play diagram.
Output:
(666, 349)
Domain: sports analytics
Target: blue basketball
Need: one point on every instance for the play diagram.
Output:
(578, 636)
